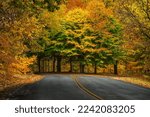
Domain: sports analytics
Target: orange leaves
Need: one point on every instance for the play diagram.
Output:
(99, 15)
(98, 10)
(18, 27)
(72, 4)
(21, 66)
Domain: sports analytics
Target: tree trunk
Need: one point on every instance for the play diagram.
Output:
(58, 63)
(54, 60)
(43, 66)
(82, 68)
(48, 65)
(95, 68)
(82, 65)
(70, 65)
(116, 68)
(39, 65)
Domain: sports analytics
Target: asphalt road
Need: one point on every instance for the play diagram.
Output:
(110, 89)
(52, 87)
(63, 87)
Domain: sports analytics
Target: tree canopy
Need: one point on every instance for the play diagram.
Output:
(96, 33)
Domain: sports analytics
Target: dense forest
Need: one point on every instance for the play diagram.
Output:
(84, 36)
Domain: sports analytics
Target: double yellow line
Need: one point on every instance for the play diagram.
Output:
(83, 88)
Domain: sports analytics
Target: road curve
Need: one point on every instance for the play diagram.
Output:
(52, 87)
(110, 89)
(66, 87)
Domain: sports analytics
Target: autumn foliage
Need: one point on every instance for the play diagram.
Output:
(98, 35)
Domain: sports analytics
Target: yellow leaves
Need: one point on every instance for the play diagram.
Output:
(87, 28)
(88, 50)
(27, 27)
(98, 15)
(75, 33)
(133, 63)
(76, 44)
(102, 49)
(20, 30)
(93, 50)
(2, 71)
(45, 18)
(134, 66)
(76, 16)
(46, 14)
(52, 20)
(98, 10)
(141, 81)
(88, 44)
(22, 64)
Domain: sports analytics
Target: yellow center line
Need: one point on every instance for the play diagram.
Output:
(87, 91)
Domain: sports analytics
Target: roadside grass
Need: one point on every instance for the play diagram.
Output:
(7, 86)
(143, 81)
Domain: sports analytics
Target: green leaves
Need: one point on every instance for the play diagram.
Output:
(23, 31)
(98, 43)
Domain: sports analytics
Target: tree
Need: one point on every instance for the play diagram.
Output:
(107, 33)
(22, 32)
(14, 31)
(93, 37)
(134, 14)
